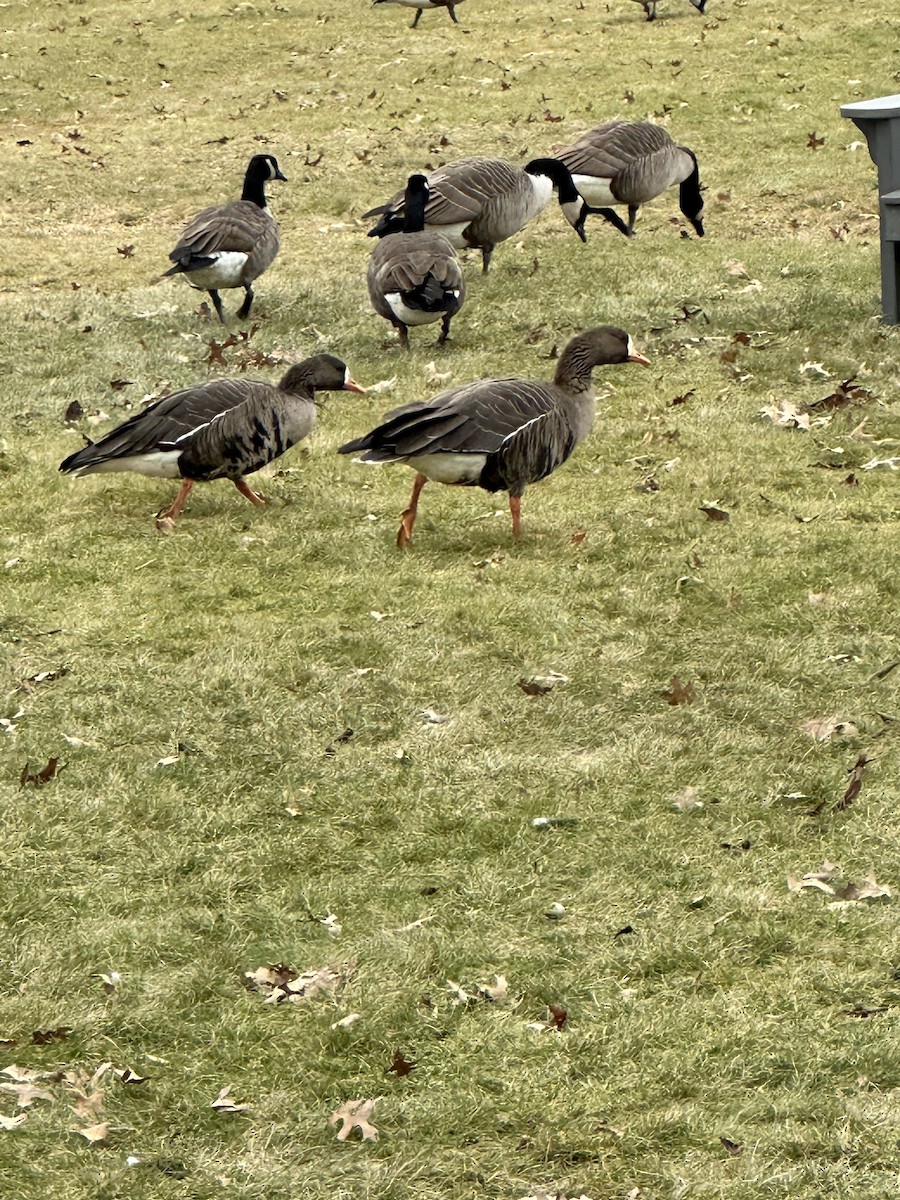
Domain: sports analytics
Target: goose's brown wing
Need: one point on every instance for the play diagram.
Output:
(235, 226)
(459, 191)
(166, 423)
(479, 418)
(611, 148)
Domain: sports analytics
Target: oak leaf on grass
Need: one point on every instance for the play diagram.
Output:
(13, 1122)
(224, 1102)
(280, 983)
(355, 1114)
(93, 1133)
(679, 692)
(26, 1093)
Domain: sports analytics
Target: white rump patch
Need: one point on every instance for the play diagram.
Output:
(410, 316)
(449, 468)
(225, 272)
(595, 190)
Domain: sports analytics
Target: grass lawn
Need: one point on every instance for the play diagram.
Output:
(679, 1013)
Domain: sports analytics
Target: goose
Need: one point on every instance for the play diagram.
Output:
(478, 202)
(631, 162)
(421, 5)
(497, 434)
(231, 245)
(414, 277)
(649, 7)
(225, 429)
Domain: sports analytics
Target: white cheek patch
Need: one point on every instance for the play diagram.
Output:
(572, 210)
(630, 349)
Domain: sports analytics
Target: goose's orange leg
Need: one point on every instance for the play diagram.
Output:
(174, 510)
(515, 510)
(408, 516)
(244, 488)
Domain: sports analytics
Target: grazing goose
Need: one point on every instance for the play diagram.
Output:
(221, 430)
(231, 245)
(414, 277)
(498, 434)
(649, 7)
(421, 5)
(631, 162)
(478, 202)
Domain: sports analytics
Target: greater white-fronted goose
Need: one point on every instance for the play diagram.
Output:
(649, 7)
(230, 245)
(422, 5)
(414, 277)
(478, 202)
(631, 162)
(497, 434)
(226, 429)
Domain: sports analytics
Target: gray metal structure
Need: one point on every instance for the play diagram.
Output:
(879, 120)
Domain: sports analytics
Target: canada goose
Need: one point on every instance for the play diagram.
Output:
(631, 162)
(498, 434)
(421, 5)
(649, 7)
(231, 245)
(221, 430)
(478, 202)
(414, 277)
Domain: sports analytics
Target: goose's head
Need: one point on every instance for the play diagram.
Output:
(265, 167)
(573, 205)
(321, 373)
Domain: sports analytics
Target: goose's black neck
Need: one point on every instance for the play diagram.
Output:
(255, 184)
(414, 202)
(558, 174)
(690, 199)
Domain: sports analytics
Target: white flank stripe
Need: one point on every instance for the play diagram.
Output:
(522, 428)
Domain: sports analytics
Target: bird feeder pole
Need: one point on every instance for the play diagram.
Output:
(879, 120)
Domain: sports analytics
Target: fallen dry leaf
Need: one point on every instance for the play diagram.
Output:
(224, 1103)
(13, 1122)
(26, 1093)
(400, 1065)
(733, 1148)
(346, 1022)
(855, 785)
(38, 778)
(712, 513)
(460, 995)
(687, 801)
(540, 685)
(433, 718)
(24, 1074)
(41, 1037)
(497, 992)
(88, 1107)
(869, 889)
(823, 729)
(94, 1133)
(558, 1016)
(355, 1114)
(281, 983)
(678, 692)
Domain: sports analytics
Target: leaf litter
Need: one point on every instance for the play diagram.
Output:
(355, 1114)
(280, 983)
(827, 879)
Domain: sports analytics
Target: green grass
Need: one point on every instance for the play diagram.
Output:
(245, 643)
